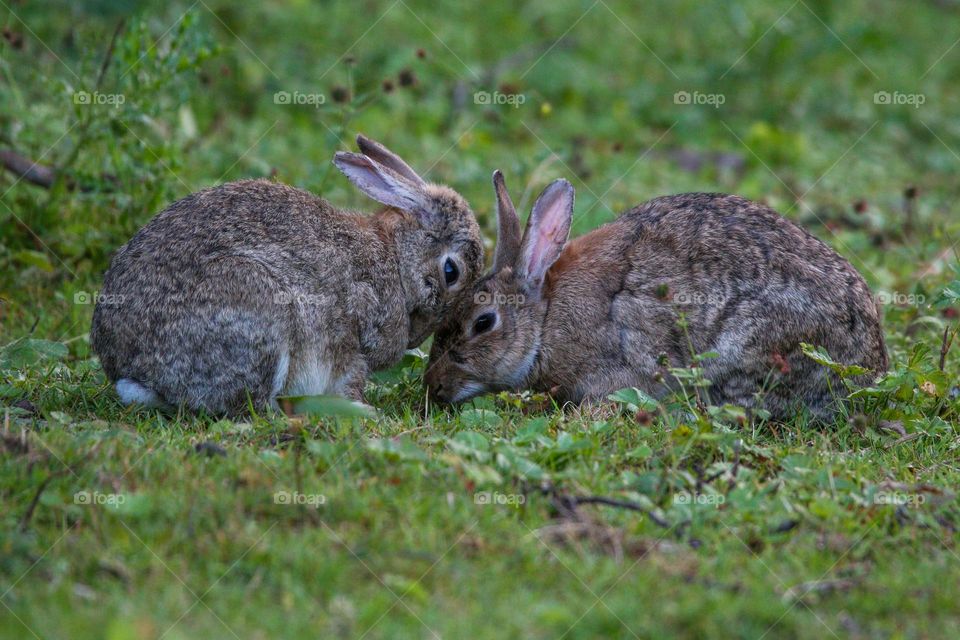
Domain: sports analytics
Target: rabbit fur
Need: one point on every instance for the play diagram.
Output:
(253, 289)
(601, 312)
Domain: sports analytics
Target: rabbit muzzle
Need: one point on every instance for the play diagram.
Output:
(446, 385)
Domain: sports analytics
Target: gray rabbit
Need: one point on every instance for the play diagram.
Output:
(251, 289)
(601, 312)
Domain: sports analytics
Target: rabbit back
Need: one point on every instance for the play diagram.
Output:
(750, 284)
(242, 291)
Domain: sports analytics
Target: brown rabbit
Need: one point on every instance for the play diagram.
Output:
(601, 312)
(252, 289)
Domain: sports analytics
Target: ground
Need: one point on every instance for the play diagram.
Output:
(509, 517)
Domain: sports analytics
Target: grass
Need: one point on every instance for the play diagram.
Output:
(424, 522)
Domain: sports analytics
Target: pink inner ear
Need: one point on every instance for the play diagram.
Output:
(549, 237)
(541, 247)
(548, 226)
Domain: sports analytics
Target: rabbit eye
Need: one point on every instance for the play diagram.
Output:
(450, 271)
(484, 322)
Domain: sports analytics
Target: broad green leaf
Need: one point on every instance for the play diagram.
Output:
(820, 356)
(480, 418)
(534, 430)
(470, 443)
(519, 466)
(473, 439)
(634, 399)
(949, 297)
(567, 443)
(331, 407)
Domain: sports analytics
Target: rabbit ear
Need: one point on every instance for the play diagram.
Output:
(508, 226)
(382, 183)
(378, 152)
(546, 233)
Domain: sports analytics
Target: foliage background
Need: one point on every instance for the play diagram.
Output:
(799, 545)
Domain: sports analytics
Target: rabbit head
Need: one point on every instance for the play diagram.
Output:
(439, 250)
(492, 339)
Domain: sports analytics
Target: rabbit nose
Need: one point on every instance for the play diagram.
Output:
(438, 388)
(432, 383)
(438, 392)
(433, 376)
